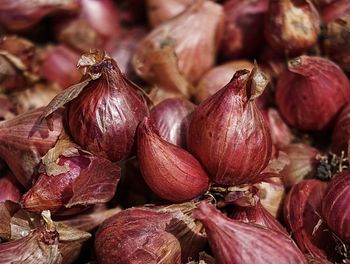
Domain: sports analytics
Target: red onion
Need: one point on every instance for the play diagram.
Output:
(96, 22)
(18, 15)
(292, 26)
(9, 188)
(158, 95)
(302, 163)
(335, 205)
(302, 210)
(257, 215)
(146, 235)
(231, 241)
(218, 77)
(71, 179)
(341, 131)
(311, 92)
(336, 41)
(170, 171)
(33, 97)
(244, 27)
(171, 118)
(59, 65)
(335, 10)
(25, 139)
(122, 48)
(160, 11)
(19, 63)
(195, 36)
(103, 96)
(228, 134)
(281, 134)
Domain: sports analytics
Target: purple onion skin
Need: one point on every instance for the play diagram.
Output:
(229, 136)
(104, 118)
(302, 210)
(335, 205)
(231, 241)
(341, 131)
(311, 92)
(243, 34)
(171, 118)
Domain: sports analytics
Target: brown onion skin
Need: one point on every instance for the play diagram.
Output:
(9, 187)
(160, 11)
(194, 34)
(341, 131)
(311, 92)
(302, 210)
(170, 171)
(24, 140)
(232, 149)
(17, 77)
(335, 205)
(257, 215)
(231, 240)
(18, 15)
(302, 163)
(243, 36)
(271, 193)
(291, 26)
(171, 118)
(218, 77)
(145, 235)
(104, 117)
(59, 65)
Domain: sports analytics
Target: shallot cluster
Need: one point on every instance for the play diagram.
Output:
(174, 132)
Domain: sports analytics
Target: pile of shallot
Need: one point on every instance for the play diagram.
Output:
(178, 131)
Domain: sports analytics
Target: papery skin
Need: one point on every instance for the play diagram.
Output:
(91, 28)
(59, 65)
(271, 193)
(70, 192)
(218, 77)
(231, 241)
(244, 32)
(311, 92)
(257, 215)
(196, 52)
(341, 131)
(335, 205)
(19, 63)
(302, 209)
(272, 62)
(24, 140)
(9, 188)
(229, 136)
(104, 117)
(334, 10)
(160, 11)
(171, 118)
(302, 163)
(291, 26)
(7, 109)
(281, 135)
(170, 171)
(40, 246)
(33, 97)
(145, 235)
(22, 14)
